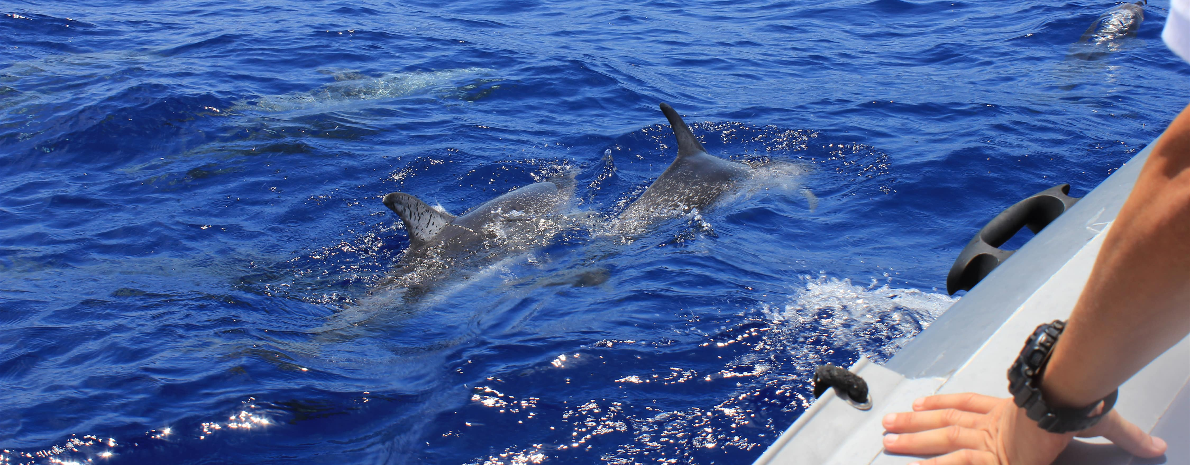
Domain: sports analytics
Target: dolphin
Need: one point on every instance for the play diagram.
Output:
(695, 180)
(1118, 22)
(350, 88)
(1104, 36)
(521, 219)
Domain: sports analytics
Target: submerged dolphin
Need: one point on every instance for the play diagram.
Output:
(695, 179)
(521, 219)
(350, 88)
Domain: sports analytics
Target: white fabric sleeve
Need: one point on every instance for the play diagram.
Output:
(1177, 28)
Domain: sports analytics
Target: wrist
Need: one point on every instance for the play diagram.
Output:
(1064, 380)
(1025, 385)
(1057, 387)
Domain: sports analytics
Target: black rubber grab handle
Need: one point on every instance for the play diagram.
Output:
(983, 254)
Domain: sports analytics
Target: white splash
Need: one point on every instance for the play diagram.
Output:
(877, 321)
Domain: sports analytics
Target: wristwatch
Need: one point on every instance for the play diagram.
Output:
(1024, 382)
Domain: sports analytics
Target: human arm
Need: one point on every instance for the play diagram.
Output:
(1136, 304)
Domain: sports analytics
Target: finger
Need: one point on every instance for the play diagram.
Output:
(967, 402)
(912, 422)
(937, 441)
(1127, 435)
(962, 457)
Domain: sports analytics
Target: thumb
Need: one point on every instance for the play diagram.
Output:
(1128, 436)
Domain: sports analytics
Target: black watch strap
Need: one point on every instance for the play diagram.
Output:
(1024, 384)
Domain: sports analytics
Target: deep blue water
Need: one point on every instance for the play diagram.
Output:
(191, 233)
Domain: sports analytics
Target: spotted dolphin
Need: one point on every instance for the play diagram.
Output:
(695, 180)
(518, 220)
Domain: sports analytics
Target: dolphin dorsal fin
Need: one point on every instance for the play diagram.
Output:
(687, 143)
(422, 221)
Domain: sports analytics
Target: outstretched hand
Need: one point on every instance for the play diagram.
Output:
(981, 430)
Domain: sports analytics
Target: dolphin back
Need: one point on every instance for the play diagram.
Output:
(687, 143)
(422, 221)
(1120, 21)
(695, 180)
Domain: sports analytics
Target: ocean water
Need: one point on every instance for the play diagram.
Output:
(193, 250)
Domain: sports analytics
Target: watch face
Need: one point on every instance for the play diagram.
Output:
(1022, 384)
(1035, 359)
